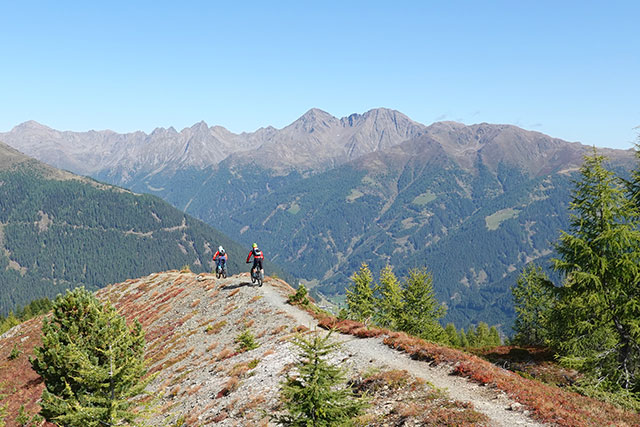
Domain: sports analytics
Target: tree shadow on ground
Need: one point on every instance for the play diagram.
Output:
(232, 286)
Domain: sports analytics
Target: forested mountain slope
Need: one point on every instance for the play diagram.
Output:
(59, 231)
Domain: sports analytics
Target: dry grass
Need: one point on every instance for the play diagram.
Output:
(225, 353)
(239, 369)
(268, 352)
(278, 329)
(216, 327)
(230, 386)
(228, 309)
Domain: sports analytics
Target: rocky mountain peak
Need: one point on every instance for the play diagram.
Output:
(313, 120)
(30, 125)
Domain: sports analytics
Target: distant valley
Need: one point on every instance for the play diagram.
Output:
(472, 203)
(59, 231)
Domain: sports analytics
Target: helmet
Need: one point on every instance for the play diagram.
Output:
(221, 249)
(255, 245)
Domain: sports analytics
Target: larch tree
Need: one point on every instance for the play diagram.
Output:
(534, 298)
(316, 395)
(598, 312)
(92, 363)
(389, 303)
(421, 310)
(361, 302)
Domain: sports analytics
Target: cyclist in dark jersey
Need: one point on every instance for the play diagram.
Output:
(258, 257)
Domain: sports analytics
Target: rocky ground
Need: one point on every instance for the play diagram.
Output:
(205, 378)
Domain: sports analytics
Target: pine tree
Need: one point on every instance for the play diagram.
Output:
(494, 337)
(534, 298)
(452, 334)
(482, 334)
(421, 310)
(464, 341)
(472, 339)
(360, 299)
(389, 303)
(92, 363)
(317, 396)
(599, 308)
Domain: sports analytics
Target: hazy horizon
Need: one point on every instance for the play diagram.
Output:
(564, 69)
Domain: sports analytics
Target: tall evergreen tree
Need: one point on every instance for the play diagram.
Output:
(360, 300)
(389, 303)
(534, 298)
(464, 341)
(92, 363)
(421, 310)
(599, 307)
(494, 337)
(452, 334)
(317, 396)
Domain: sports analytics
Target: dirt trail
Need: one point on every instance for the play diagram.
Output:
(495, 404)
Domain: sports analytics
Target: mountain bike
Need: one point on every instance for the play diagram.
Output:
(257, 276)
(221, 271)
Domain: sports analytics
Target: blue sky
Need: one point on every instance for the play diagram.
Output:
(568, 69)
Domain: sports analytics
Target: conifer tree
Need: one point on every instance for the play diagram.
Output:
(389, 303)
(599, 304)
(92, 363)
(360, 300)
(452, 334)
(472, 339)
(317, 395)
(482, 334)
(421, 310)
(534, 298)
(464, 341)
(494, 337)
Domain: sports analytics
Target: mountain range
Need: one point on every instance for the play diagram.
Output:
(473, 204)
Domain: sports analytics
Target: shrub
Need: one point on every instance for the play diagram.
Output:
(300, 297)
(15, 352)
(246, 341)
(317, 396)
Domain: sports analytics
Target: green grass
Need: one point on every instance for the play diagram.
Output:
(354, 195)
(493, 221)
(294, 209)
(424, 198)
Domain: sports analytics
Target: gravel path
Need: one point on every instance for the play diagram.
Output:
(495, 404)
